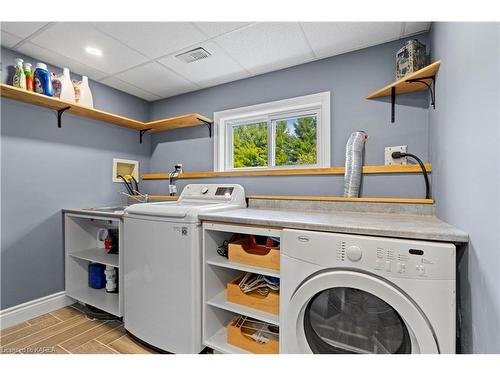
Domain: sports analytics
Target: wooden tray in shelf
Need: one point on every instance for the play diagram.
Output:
(236, 336)
(240, 252)
(269, 303)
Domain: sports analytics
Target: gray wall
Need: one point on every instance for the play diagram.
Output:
(45, 169)
(349, 77)
(464, 144)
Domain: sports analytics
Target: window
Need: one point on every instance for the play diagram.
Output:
(290, 133)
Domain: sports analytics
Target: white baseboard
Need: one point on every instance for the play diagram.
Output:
(32, 309)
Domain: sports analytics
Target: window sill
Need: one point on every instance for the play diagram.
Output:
(368, 169)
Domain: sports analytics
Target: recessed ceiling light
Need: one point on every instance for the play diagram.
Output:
(93, 51)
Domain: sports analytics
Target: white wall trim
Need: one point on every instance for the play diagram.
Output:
(31, 309)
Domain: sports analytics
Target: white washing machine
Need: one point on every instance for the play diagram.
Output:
(359, 294)
(162, 263)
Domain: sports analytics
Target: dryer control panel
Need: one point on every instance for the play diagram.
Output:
(384, 256)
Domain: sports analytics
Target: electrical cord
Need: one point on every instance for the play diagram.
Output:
(129, 188)
(136, 184)
(398, 155)
(222, 250)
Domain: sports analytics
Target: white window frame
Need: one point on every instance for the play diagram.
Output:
(224, 121)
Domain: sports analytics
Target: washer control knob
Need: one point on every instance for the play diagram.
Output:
(354, 253)
(420, 269)
(401, 267)
(204, 190)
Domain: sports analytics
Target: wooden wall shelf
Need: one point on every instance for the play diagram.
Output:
(319, 198)
(368, 169)
(182, 121)
(61, 106)
(76, 109)
(421, 80)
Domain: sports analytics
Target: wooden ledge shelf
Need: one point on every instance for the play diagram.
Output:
(61, 106)
(369, 169)
(402, 85)
(34, 98)
(182, 121)
(421, 80)
(320, 198)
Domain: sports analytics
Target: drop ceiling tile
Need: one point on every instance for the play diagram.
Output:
(22, 29)
(416, 27)
(9, 40)
(213, 70)
(155, 78)
(71, 38)
(267, 46)
(153, 39)
(333, 38)
(44, 55)
(128, 88)
(213, 29)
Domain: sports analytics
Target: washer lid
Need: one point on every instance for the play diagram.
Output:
(186, 210)
(341, 311)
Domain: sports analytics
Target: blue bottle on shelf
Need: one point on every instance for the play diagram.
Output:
(43, 81)
(97, 278)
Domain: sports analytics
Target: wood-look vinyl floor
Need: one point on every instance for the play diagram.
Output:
(69, 331)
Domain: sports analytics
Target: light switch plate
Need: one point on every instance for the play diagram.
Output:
(388, 155)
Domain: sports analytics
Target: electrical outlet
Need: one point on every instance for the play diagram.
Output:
(388, 155)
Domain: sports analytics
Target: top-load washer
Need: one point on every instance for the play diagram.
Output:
(162, 263)
(359, 294)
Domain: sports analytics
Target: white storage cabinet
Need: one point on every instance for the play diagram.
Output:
(81, 248)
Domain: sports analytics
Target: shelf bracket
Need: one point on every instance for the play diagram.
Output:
(431, 88)
(59, 115)
(393, 103)
(208, 124)
(141, 133)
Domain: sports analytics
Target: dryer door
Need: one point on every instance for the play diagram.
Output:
(342, 311)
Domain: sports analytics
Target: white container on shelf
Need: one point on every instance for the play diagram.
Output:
(85, 93)
(67, 91)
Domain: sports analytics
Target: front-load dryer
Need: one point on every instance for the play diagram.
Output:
(359, 294)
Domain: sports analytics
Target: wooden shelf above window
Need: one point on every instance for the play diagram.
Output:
(402, 85)
(368, 169)
(166, 124)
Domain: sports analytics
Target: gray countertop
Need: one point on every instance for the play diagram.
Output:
(422, 227)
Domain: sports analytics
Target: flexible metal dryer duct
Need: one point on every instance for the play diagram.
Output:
(354, 163)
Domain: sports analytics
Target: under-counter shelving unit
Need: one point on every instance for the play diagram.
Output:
(82, 247)
(217, 272)
(62, 106)
(421, 80)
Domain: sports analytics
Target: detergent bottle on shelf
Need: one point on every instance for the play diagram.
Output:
(30, 80)
(43, 82)
(85, 95)
(19, 79)
(67, 91)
